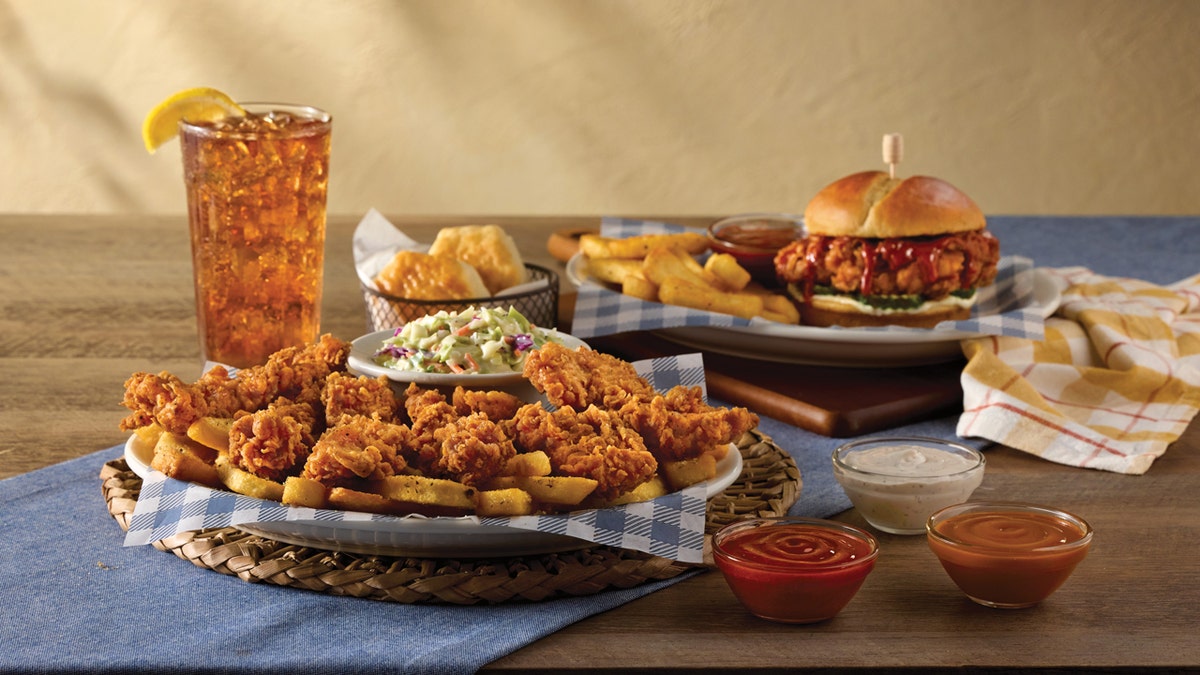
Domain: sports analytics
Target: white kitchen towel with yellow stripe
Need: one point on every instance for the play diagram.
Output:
(1115, 381)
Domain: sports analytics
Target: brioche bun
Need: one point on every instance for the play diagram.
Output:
(487, 248)
(874, 205)
(420, 276)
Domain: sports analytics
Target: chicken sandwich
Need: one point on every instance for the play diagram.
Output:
(882, 251)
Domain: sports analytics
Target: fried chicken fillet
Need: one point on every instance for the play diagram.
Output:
(582, 377)
(273, 443)
(358, 448)
(679, 425)
(592, 443)
(674, 426)
(472, 449)
(498, 406)
(346, 394)
(295, 373)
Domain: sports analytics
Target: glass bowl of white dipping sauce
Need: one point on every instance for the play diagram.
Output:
(897, 482)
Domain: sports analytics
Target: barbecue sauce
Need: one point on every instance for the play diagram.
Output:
(894, 254)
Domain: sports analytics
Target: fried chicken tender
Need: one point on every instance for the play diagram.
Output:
(680, 425)
(347, 394)
(220, 393)
(162, 398)
(297, 373)
(496, 405)
(674, 426)
(583, 377)
(593, 443)
(473, 449)
(273, 443)
(357, 448)
(427, 411)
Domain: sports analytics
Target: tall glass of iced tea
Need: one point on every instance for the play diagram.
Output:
(256, 188)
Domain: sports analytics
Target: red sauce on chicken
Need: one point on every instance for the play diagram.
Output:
(929, 266)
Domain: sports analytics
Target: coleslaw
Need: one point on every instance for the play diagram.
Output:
(475, 340)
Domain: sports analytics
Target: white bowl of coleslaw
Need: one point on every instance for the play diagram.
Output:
(475, 348)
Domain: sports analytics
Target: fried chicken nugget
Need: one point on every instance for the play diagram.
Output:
(272, 443)
(346, 394)
(679, 425)
(427, 411)
(583, 377)
(357, 448)
(594, 443)
(496, 405)
(474, 449)
(162, 398)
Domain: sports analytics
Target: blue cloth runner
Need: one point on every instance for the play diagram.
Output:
(76, 599)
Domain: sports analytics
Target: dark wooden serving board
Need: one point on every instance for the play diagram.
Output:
(831, 401)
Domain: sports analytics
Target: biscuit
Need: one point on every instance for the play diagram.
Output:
(420, 276)
(487, 248)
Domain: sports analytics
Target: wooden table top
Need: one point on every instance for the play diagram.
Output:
(87, 300)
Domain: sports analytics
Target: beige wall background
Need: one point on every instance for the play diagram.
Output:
(621, 106)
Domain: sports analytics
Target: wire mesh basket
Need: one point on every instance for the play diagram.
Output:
(539, 304)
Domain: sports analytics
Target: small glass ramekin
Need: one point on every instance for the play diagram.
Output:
(1008, 555)
(753, 239)
(907, 479)
(794, 570)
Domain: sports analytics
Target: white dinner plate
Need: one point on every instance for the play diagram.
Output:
(362, 360)
(461, 537)
(853, 347)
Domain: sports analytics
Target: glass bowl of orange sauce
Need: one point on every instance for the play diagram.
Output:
(753, 239)
(1008, 555)
(794, 570)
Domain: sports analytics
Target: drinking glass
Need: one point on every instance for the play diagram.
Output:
(256, 192)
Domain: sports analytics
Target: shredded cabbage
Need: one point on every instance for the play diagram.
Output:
(475, 340)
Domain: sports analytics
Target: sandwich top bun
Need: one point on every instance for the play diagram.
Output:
(872, 204)
(487, 248)
(420, 276)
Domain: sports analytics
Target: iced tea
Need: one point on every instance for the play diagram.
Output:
(256, 187)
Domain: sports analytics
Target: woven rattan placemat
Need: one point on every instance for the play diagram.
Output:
(769, 484)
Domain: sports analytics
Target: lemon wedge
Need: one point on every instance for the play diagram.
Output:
(199, 104)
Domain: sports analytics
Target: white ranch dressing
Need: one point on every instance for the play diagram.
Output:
(896, 484)
(902, 461)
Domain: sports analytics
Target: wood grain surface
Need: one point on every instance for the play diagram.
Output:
(86, 301)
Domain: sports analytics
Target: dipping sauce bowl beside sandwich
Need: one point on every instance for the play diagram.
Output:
(754, 239)
(794, 570)
(1008, 555)
(896, 483)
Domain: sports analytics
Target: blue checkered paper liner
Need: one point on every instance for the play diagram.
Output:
(671, 526)
(1006, 307)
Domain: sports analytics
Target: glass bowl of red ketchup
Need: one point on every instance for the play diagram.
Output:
(1008, 555)
(794, 570)
(754, 239)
